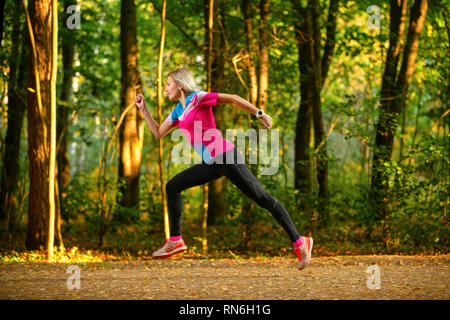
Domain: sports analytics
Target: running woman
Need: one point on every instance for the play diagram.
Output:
(219, 158)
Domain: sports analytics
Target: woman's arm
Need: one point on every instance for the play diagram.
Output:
(225, 98)
(159, 131)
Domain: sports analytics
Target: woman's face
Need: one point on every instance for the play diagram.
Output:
(172, 90)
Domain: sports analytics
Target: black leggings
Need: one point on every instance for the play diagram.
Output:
(233, 167)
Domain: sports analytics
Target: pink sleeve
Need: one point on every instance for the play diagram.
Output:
(206, 99)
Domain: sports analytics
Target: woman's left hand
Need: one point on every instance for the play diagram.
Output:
(266, 121)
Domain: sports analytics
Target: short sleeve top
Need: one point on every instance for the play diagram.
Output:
(197, 122)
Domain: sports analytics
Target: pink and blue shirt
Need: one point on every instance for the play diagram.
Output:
(198, 125)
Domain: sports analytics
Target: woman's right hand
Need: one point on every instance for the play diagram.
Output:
(140, 101)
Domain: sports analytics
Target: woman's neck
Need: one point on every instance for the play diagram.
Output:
(182, 99)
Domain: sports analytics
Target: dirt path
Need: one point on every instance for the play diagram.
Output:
(401, 277)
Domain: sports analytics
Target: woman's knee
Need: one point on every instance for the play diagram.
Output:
(171, 187)
(263, 198)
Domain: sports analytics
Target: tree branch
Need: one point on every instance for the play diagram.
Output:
(331, 39)
(181, 28)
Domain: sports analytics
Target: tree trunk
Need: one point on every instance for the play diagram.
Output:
(259, 84)
(2, 12)
(58, 220)
(38, 114)
(216, 201)
(253, 95)
(16, 109)
(253, 50)
(321, 67)
(365, 156)
(160, 119)
(393, 95)
(63, 172)
(418, 14)
(403, 136)
(52, 160)
(313, 73)
(209, 23)
(416, 125)
(263, 55)
(131, 131)
(303, 179)
(319, 134)
(330, 42)
(378, 177)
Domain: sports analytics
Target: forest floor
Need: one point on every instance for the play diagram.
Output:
(273, 278)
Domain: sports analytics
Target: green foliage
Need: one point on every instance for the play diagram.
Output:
(418, 180)
(86, 207)
(72, 255)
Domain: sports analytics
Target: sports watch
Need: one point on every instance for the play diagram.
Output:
(259, 113)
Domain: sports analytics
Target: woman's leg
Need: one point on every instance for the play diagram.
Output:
(191, 177)
(244, 179)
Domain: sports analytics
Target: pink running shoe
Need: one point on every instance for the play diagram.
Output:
(304, 252)
(170, 248)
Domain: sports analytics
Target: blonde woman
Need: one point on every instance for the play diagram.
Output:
(219, 158)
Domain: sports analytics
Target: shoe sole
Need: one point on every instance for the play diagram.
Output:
(310, 250)
(309, 253)
(167, 255)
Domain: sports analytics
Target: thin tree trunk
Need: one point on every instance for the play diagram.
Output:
(263, 54)
(209, 20)
(330, 42)
(175, 21)
(261, 88)
(403, 136)
(58, 235)
(418, 14)
(160, 118)
(52, 160)
(365, 150)
(248, 26)
(63, 172)
(2, 12)
(252, 51)
(216, 201)
(416, 126)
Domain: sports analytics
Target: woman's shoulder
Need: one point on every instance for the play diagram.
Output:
(202, 93)
(204, 97)
(199, 93)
